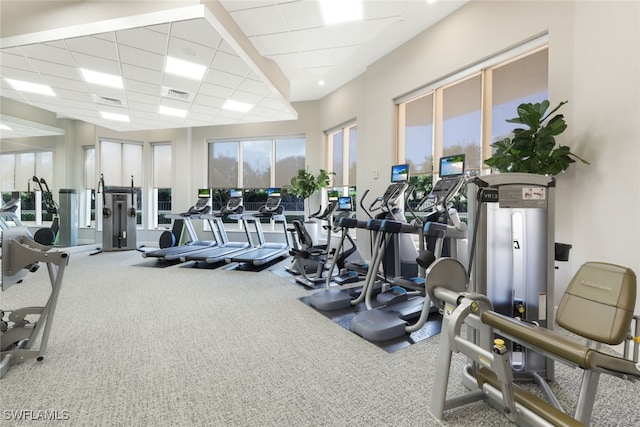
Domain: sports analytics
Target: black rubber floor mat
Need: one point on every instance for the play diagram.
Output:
(343, 318)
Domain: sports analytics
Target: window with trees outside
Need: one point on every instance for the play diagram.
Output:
(17, 172)
(342, 145)
(255, 165)
(466, 113)
(161, 184)
(120, 163)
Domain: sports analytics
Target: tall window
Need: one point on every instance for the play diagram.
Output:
(519, 81)
(417, 133)
(161, 183)
(120, 162)
(467, 112)
(343, 143)
(17, 172)
(88, 201)
(256, 165)
(461, 120)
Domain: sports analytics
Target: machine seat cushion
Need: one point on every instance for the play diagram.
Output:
(599, 302)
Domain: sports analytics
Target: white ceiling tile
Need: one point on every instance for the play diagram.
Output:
(215, 90)
(271, 44)
(222, 78)
(148, 104)
(96, 64)
(51, 69)
(311, 39)
(299, 15)
(14, 60)
(189, 51)
(145, 39)
(205, 109)
(317, 58)
(131, 55)
(47, 53)
(133, 72)
(247, 97)
(143, 88)
(208, 101)
(94, 46)
(196, 31)
(384, 8)
(252, 86)
(259, 20)
(24, 75)
(230, 64)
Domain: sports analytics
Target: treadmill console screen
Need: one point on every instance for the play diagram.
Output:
(235, 193)
(452, 166)
(344, 204)
(400, 173)
(275, 192)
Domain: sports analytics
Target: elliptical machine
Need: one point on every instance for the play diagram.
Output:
(47, 236)
(400, 253)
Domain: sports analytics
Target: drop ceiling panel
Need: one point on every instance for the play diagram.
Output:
(299, 15)
(197, 31)
(143, 38)
(260, 20)
(131, 55)
(222, 78)
(47, 53)
(96, 64)
(290, 32)
(94, 46)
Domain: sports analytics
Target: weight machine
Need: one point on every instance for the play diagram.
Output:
(19, 329)
(118, 217)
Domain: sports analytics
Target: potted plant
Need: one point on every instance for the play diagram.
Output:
(305, 184)
(533, 149)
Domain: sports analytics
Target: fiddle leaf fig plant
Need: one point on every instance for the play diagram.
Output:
(305, 183)
(533, 148)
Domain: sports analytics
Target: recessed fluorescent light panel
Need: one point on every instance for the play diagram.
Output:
(102, 79)
(337, 11)
(168, 111)
(22, 86)
(186, 69)
(232, 105)
(114, 116)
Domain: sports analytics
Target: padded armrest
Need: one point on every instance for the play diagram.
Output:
(544, 339)
(560, 345)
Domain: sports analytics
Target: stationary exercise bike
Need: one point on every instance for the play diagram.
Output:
(47, 236)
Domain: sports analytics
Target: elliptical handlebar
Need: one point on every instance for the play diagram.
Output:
(362, 204)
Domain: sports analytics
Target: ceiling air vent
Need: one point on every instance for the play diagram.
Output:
(180, 95)
(109, 101)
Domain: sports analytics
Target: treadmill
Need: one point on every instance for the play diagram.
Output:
(233, 210)
(265, 251)
(173, 253)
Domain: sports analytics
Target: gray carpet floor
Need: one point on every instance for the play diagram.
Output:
(134, 345)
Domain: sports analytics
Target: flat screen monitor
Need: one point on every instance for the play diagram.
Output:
(204, 193)
(451, 166)
(333, 195)
(273, 192)
(344, 203)
(400, 173)
(235, 192)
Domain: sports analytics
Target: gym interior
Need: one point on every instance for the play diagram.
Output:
(118, 309)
